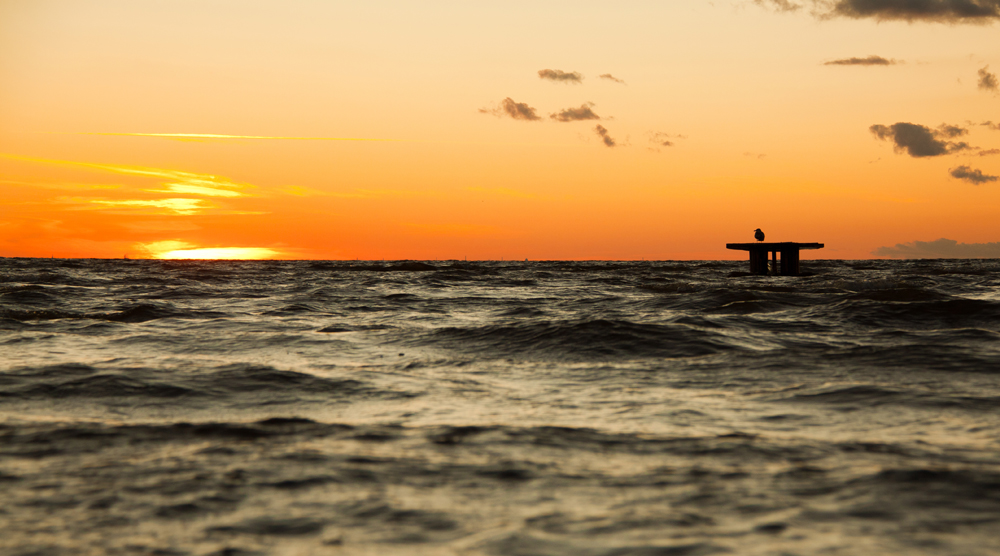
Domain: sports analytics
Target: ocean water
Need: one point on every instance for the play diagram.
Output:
(498, 408)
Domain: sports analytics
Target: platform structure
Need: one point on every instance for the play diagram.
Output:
(789, 262)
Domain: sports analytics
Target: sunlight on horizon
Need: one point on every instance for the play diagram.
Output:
(228, 253)
(173, 249)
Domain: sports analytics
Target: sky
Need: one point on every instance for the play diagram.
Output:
(431, 130)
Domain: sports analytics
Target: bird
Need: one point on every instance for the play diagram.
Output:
(759, 235)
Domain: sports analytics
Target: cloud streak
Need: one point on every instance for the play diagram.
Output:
(940, 249)
(921, 141)
(602, 132)
(610, 77)
(175, 181)
(217, 137)
(932, 11)
(584, 112)
(560, 76)
(975, 177)
(872, 60)
(516, 110)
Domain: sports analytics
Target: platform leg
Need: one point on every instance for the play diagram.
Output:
(758, 261)
(790, 262)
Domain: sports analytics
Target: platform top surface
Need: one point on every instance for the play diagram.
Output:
(773, 246)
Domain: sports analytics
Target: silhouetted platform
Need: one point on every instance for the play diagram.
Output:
(789, 250)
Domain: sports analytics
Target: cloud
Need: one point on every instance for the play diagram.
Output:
(779, 5)
(988, 81)
(661, 139)
(921, 141)
(575, 114)
(560, 75)
(610, 77)
(199, 137)
(176, 206)
(989, 152)
(940, 249)
(516, 110)
(975, 177)
(991, 125)
(175, 181)
(933, 11)
(872, 60)
(603, 133)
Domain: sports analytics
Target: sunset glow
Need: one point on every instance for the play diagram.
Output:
(237, 253)
(330, 131)
(172, 249)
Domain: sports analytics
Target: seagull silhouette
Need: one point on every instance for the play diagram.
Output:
(759, 235)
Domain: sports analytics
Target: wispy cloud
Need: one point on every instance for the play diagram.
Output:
(988, 81)
(217, 137)
(560, 75)
(584, 112)
(663, 139)
(177, 206)
(515, 110)
(602, 132)
(172, 182)
(872, 60)
(921, 141)
(933, 11)
(779, 5)
(940, 249)
(610, 77)
(989, 152)
(175, 181)
(975, 177)
(59, 185)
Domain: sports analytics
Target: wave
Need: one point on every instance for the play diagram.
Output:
(242, 383)
(585, 339)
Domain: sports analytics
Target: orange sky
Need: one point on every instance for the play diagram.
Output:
(331, 130)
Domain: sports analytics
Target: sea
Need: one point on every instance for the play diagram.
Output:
(499, 408)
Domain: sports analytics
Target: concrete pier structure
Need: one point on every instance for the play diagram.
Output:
(789, 262)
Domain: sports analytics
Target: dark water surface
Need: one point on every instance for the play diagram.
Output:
(518, 408)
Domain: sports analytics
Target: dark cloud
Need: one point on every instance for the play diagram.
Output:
(949, 11)
(988, 81)
(603, 133)
(991, 125)
(936, 11)
(575, 114)
(872, 60)
(989, 152)
(610, 77)
(560, 75)
(920, 141)
(951, 131)
(940, 249)
(975, 177)
(516, 110)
